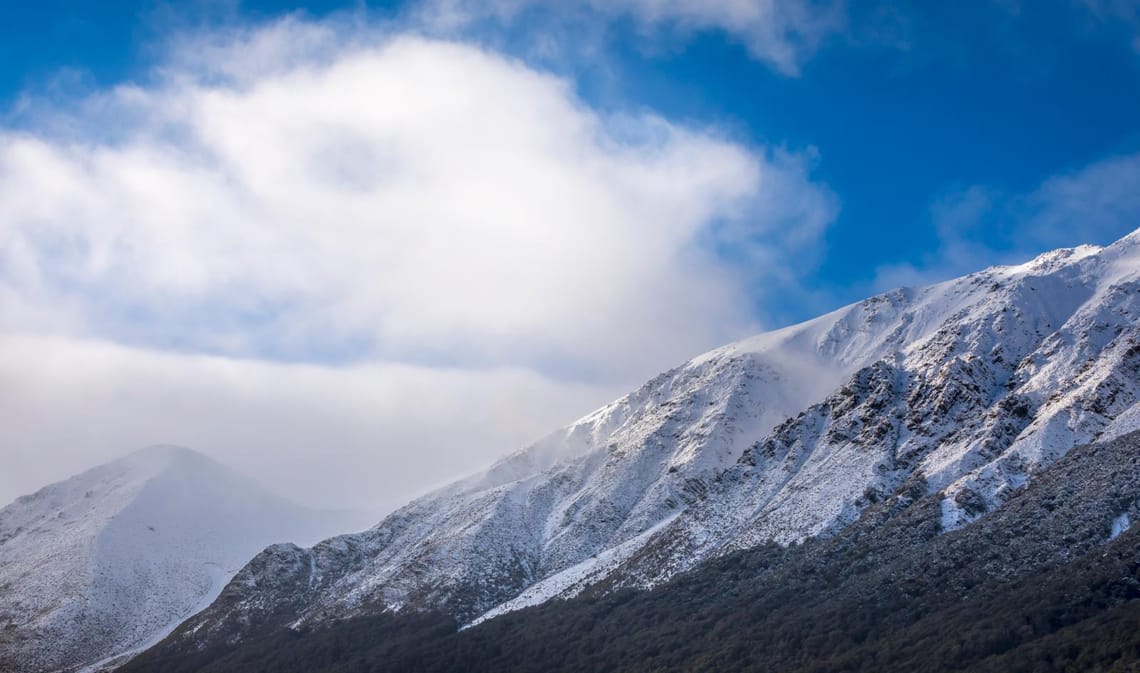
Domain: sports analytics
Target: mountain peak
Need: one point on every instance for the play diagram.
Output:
(91, 551)
(171, 451)
(160, 457)
(1054, 259)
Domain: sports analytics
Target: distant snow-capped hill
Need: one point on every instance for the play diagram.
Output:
(966, 387)
(112, 559)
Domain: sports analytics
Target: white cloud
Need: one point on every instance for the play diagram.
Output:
(322, 192)
(421, 198)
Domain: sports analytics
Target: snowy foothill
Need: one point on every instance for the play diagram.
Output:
(111, 560)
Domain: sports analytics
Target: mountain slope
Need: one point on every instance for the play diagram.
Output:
(113, 558)
(1049, 582)
(965, 388)
(1039, 358)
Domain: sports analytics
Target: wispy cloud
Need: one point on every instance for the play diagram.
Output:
(1122, 15)
(980, 226)
(781, 33)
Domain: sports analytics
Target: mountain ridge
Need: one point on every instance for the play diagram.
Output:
(960, 388)
(1046, 584)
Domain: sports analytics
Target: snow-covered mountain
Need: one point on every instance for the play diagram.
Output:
(964, 388)
(112, 559)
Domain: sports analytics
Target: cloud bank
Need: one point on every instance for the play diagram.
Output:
(408, 255)
(370, 436)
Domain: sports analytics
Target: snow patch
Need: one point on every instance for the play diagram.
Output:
(1119, 525)
(571, 581)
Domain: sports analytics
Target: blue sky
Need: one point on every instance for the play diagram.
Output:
(417, 235)
(902, 110)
